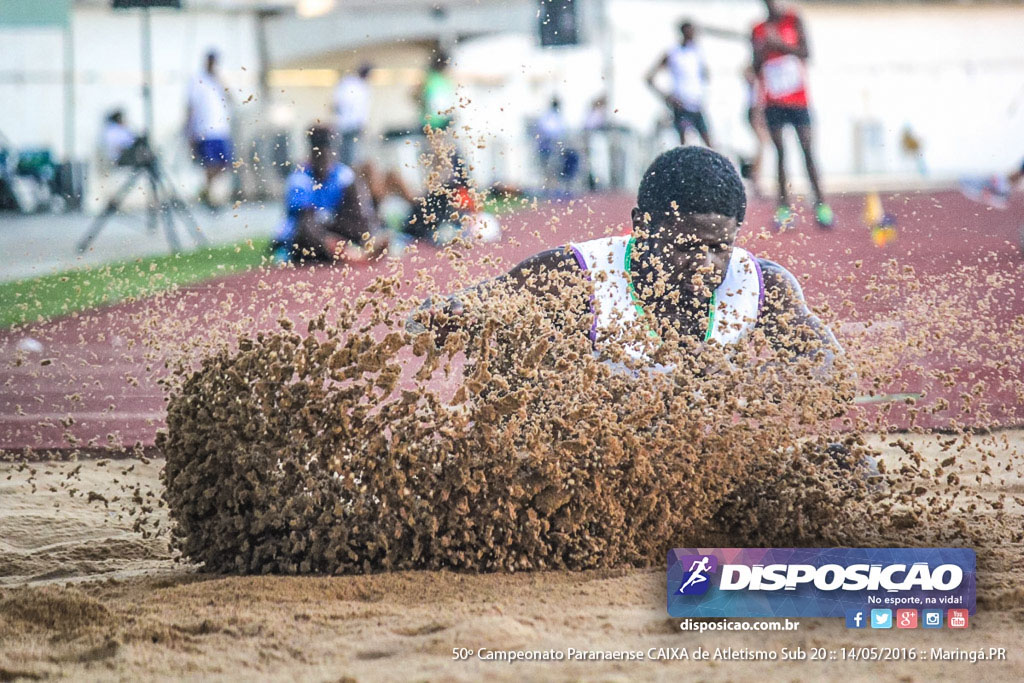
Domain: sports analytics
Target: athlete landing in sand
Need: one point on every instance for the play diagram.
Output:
(680, 270)
(679, 266)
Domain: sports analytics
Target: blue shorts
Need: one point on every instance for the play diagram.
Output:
(212, 152)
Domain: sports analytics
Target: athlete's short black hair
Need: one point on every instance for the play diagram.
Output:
(321, 139)
(697, 179)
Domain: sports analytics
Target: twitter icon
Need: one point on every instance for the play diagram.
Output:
(881, 618)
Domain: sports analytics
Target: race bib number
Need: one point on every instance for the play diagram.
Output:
(783, 76)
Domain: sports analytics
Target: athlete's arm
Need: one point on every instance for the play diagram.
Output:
(649, 79)
(757, 48)
(227, 99)
(190, 117)
(449, 313)
(790, 326)
(802, 50)
(773, 42)
(353, 219)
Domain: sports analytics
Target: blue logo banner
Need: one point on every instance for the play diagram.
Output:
(817, 582)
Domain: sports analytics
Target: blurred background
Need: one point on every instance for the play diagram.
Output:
(905, 94)
(186, 146)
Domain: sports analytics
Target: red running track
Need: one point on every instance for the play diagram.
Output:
(95, 384)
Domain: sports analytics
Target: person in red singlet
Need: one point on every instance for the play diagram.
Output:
(780, 53)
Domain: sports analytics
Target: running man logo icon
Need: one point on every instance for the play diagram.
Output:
(696, 580)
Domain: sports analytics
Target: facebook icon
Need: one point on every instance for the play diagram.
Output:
(856, 618)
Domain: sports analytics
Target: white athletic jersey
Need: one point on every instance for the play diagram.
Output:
(783, 76)
(687, 66)
(551, 126)
(734, 308)
(211, 111)
(351, 104)
(116, 139)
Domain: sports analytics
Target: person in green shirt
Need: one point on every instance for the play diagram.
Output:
(449, 189)
(437, 98)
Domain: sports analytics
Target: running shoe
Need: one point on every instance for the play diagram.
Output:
(823, 214)
(280, 255)
(993, 190)
(783, 217)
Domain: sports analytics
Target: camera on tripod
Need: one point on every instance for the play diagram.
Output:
(138, 155)
(164, 201)
(143, 161)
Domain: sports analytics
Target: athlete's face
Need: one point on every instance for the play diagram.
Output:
(688, 253)
(320, 160)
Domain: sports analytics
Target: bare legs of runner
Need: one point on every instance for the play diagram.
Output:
(804, 134)
(755, 116)
(784, 215)
(780, 155)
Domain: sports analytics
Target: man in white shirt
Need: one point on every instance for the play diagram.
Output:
(685, 63)
(351, 112)
(116, 138)
(552, 133)
(209, 124)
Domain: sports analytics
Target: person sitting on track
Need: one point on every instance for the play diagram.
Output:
(329, 213)
(679, 266)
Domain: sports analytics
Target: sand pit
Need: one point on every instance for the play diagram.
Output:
(79, 600)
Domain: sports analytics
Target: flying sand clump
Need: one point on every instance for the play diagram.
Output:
(319, 453)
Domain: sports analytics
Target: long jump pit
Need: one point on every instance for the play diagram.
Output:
(269, 477)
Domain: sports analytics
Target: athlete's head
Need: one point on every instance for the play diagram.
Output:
(690, 204)
(211, 61)
(320, 150)
(439, 60)
(773, 7)
(687, 30)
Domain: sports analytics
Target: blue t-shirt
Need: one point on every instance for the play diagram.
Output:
(303, 192)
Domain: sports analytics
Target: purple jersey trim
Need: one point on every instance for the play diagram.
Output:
(582, 263)
(760, 284)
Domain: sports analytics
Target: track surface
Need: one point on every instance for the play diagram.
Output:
(95, 385)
